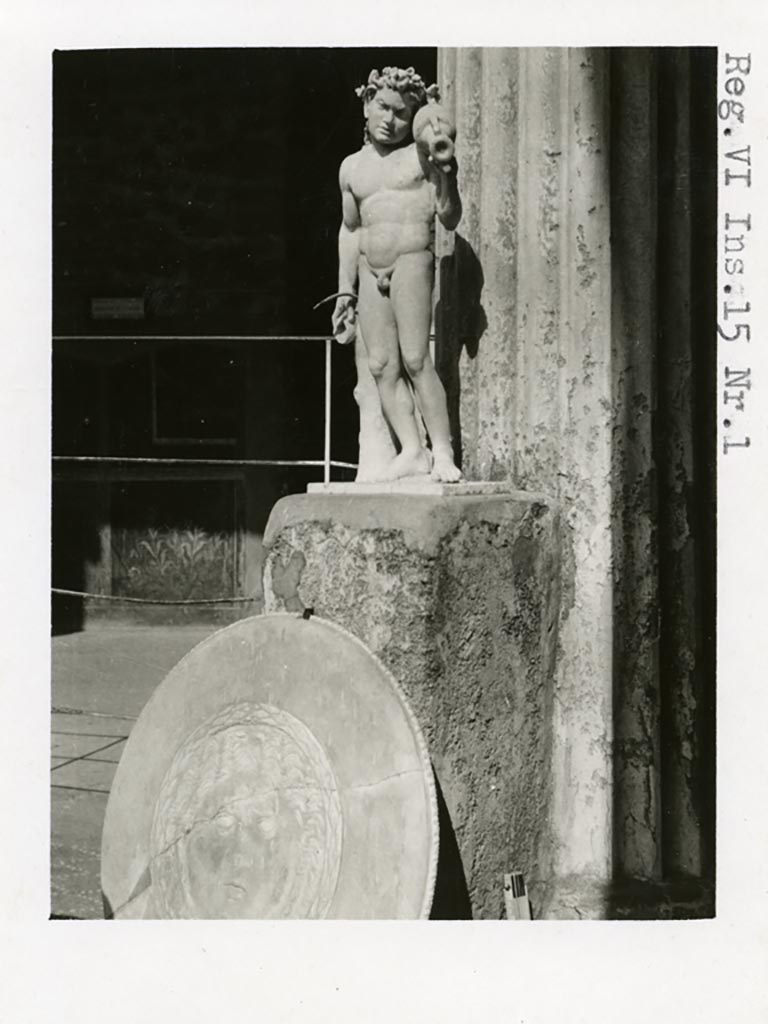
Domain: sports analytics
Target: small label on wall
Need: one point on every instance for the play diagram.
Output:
(117, 309)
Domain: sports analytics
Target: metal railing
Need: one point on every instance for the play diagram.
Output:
(326, 462)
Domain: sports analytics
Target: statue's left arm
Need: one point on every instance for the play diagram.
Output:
(434, 134)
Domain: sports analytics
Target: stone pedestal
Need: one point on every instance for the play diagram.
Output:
(458, 596)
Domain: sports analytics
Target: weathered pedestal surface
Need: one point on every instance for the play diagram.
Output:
(458, 596)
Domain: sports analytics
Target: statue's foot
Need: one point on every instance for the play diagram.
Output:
(410, 463)
(444, 468)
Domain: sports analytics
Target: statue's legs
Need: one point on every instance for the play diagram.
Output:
(411, 296)
(380, 334)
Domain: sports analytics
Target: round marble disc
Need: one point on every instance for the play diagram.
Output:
(277, 772)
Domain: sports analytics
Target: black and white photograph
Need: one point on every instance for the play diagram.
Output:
(399, 401)
(519, 528)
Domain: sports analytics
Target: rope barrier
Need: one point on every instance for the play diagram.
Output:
(150, 600)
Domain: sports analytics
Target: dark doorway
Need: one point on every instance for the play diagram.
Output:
(195, 196)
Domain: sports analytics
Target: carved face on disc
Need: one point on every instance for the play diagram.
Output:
(238, 853)
(248, 821)
(389, 114)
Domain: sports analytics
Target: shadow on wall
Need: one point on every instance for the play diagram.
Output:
(460, 323)
(451, 900)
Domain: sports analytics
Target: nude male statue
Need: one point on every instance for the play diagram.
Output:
(391, 191)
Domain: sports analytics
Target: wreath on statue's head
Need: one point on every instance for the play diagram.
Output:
(403, 80)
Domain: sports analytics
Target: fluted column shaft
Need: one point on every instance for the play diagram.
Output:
(532, 363)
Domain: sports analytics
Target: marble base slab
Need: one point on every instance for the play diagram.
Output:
(418, 485)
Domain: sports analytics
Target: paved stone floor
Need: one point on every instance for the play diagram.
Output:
(101, 679)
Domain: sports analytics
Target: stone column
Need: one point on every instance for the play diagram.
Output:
(526, 351)
(569, 327)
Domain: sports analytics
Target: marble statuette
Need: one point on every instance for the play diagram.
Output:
(392, 189)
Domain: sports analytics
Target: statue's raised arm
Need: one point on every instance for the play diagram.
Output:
(403, 177)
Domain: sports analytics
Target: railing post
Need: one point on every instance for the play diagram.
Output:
(327, 450)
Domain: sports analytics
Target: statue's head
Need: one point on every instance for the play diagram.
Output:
(390, 100)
